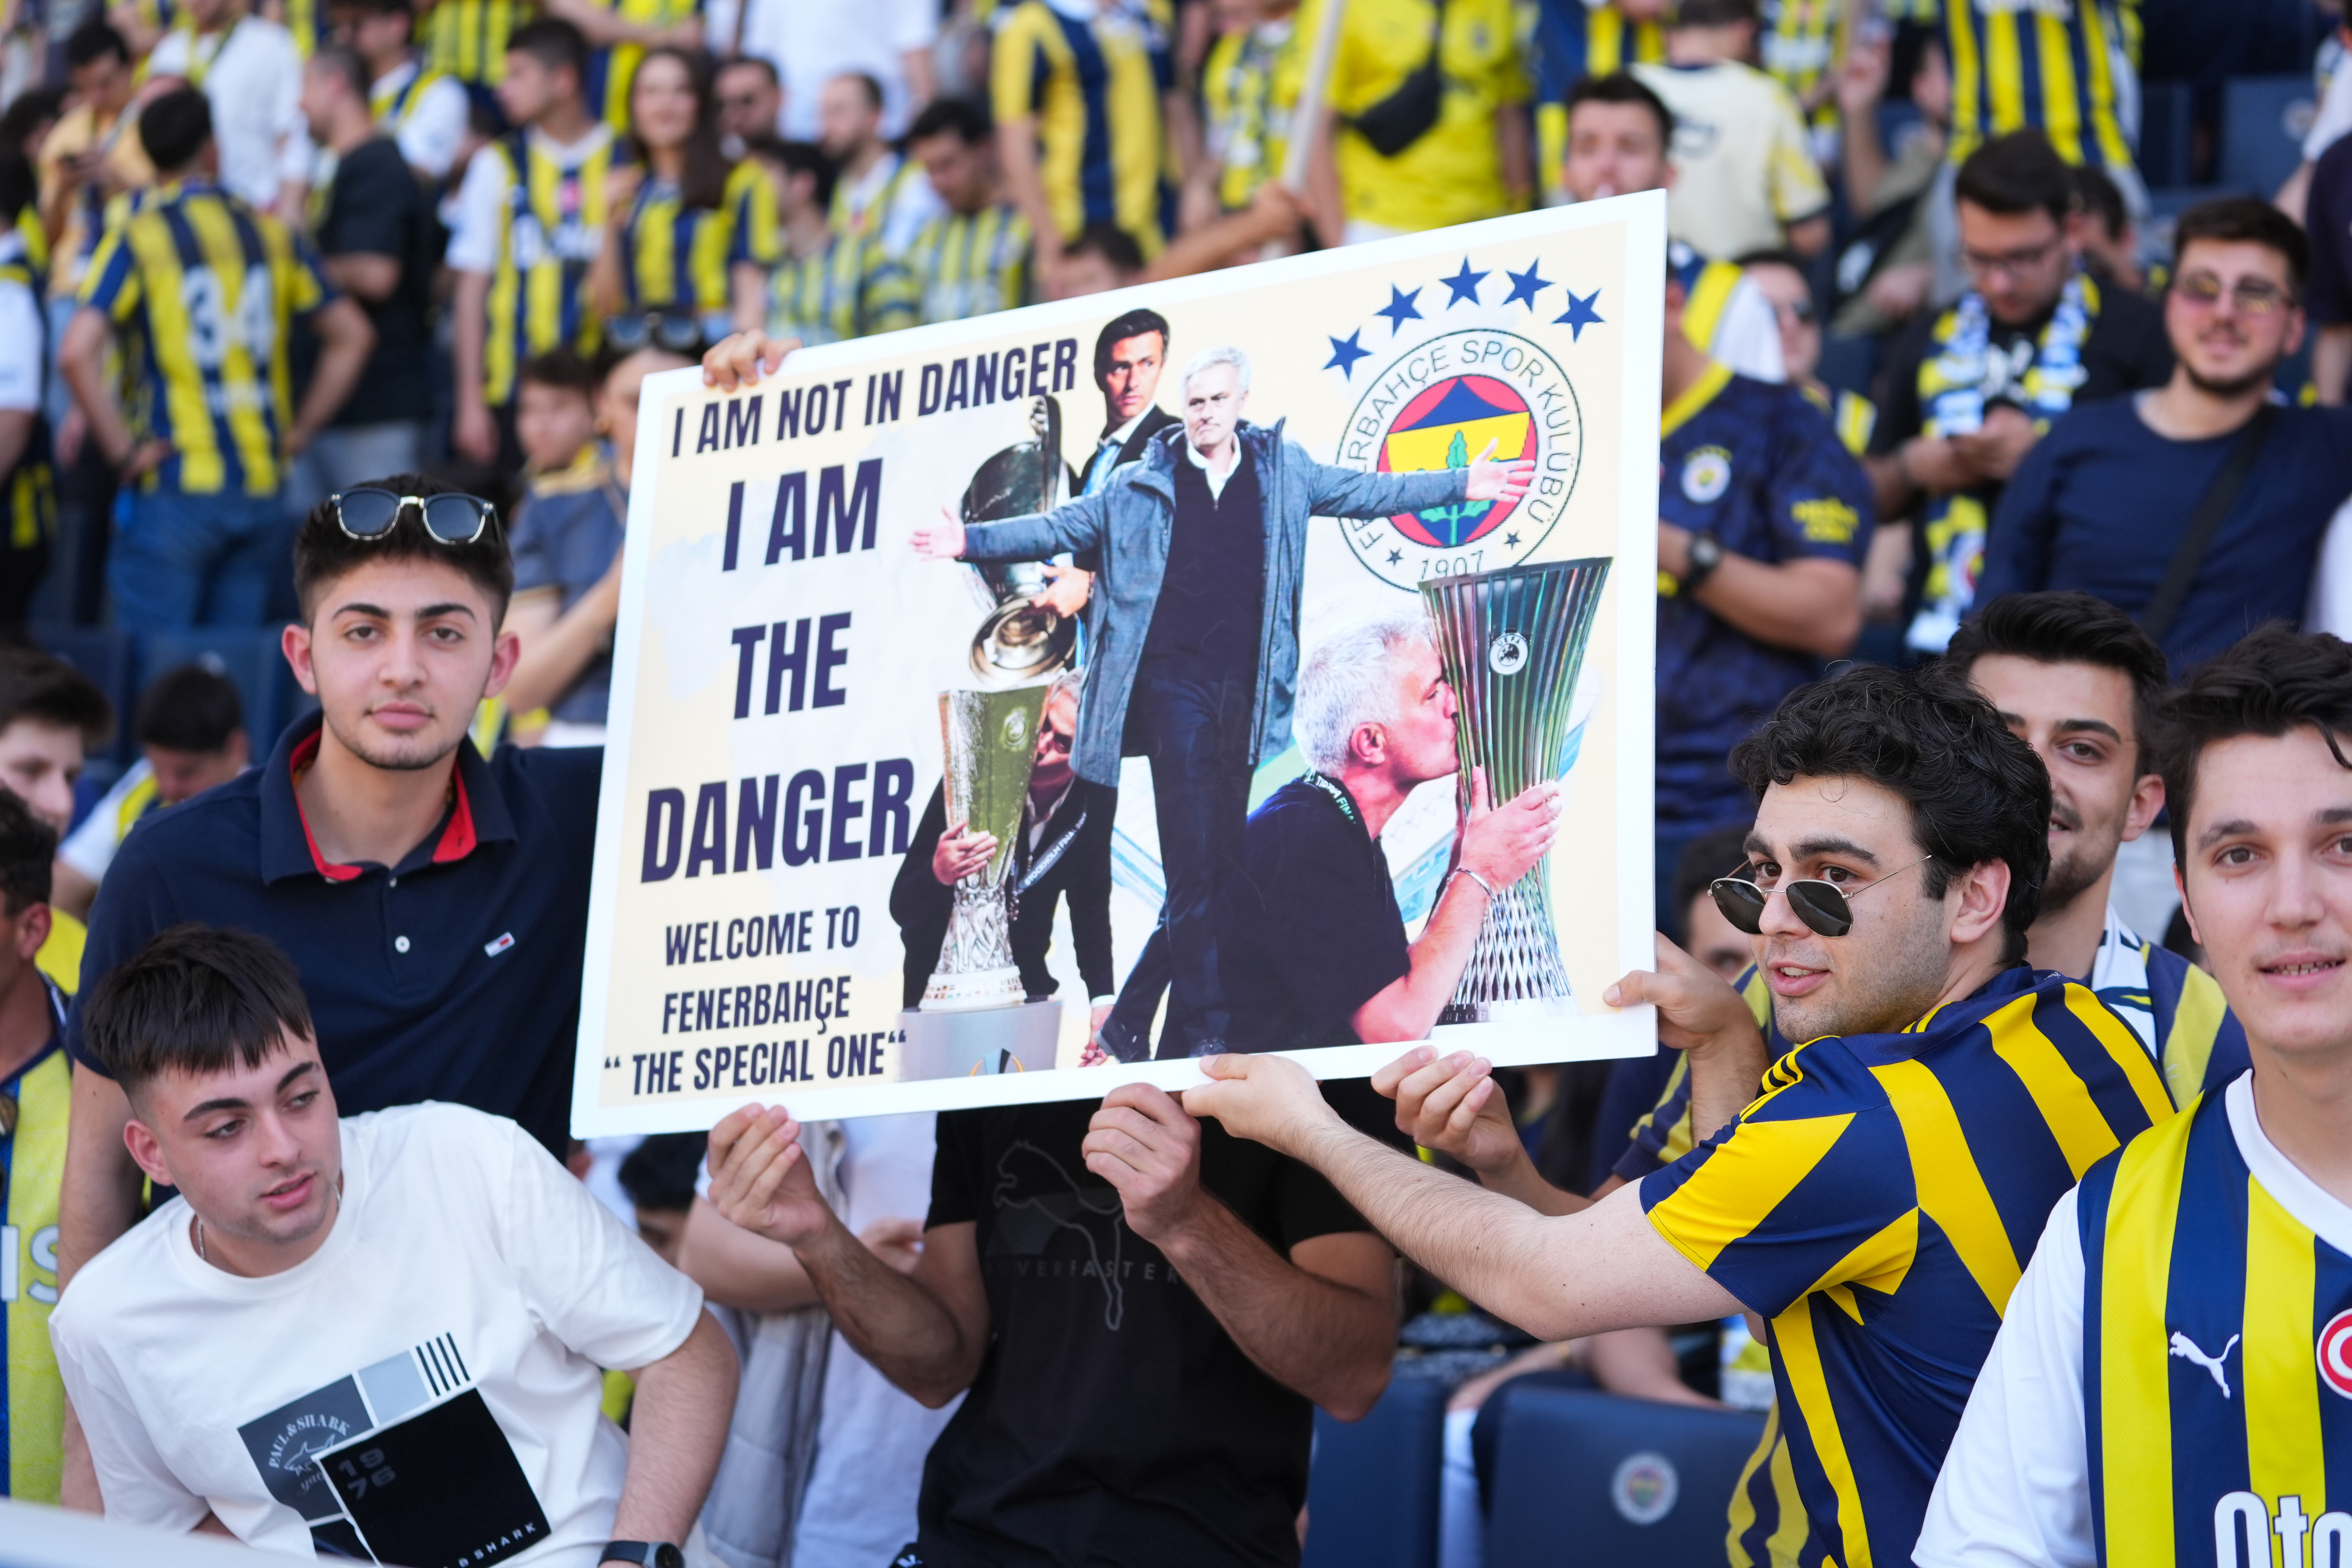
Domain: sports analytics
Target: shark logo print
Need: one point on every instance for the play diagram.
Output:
(2185, 1349)
(1030, 1180)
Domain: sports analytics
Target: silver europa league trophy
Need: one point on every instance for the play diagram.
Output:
(991, 743)
(1019, 641)
(1513, 643)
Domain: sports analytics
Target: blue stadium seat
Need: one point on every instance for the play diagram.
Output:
(2263, 119)
(109, 658)
(2167, 109)
(250, 656)
(1592, 1478)
(1371, 1496)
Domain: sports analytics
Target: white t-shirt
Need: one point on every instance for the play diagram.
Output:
(1743, 162)
(871, 1438)
(481, 212)
(456, 1318)
(2015, 1488)
(2331, 578)
(20, 336)
(812, 41)
(434, 127)
(252, 77)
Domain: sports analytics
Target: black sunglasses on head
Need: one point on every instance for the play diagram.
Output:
(680, 331)
(1823, 905)
(370, 512)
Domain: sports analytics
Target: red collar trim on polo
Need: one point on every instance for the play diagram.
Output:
(457, 838)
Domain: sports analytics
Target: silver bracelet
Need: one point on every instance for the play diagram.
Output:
(1465, 871)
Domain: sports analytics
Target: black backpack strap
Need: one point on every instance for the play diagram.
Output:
(2198, 538)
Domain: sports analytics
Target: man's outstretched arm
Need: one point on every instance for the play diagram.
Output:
(1558, 1277)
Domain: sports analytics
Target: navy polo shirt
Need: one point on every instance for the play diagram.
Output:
(454, 976)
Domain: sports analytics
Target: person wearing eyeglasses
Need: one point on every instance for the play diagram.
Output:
(1062, 850)
(1875, 1202)
(433, 902)
(2198, 509)
(1969, 390)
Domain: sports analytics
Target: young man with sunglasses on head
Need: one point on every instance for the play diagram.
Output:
(1871, 1204)
(2198, 508)
(2169, 1385)
(435, 904)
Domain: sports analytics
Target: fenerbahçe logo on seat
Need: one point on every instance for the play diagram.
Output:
(1441, 388)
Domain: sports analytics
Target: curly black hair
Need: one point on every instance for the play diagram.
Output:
(1976, 791)
(2272, 680)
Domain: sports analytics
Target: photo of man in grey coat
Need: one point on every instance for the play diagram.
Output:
(1193, 629)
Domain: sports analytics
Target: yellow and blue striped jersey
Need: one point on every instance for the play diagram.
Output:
(754, 222)
(2249, 1441)
(468, 38)
(1249, 88)
(29, 492)
(815, 298)
(307, 20)
(390, 106)
(2048, 65)
(1573, 40)
(32, 1170)
(1092, 81)
(675, 256)
(555, 221)
(1799, 40)
(1877, 1204)
(612, 67)
(211, 289)
(1853, 415)
(965, 264)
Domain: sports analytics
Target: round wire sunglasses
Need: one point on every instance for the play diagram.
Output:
(1823, 905)
(369, 512)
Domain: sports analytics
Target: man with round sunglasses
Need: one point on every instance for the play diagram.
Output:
(433, 902)
(1870, 1203)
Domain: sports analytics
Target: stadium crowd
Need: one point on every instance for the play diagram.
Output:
(2003, 556)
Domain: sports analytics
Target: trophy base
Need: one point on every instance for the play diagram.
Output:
(1523, 1010)
(970, 991)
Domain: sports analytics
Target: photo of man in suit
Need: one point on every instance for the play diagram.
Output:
(1064, 851)
(1130, 354)
(1191, 628)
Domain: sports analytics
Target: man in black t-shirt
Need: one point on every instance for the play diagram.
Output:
(1969, 391)
(378, 240)
(1310, 941)
(1140, 1312)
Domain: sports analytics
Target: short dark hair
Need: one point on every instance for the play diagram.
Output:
(869, 82)
(760, 63)
(1713, 13)
(1622, 86)
(1774, 258)
(553, 43)
(2098, 197)
(174, 128)
(1111, 242)
(195, 999)
(2070, 628)
(2273, 680)
(2016, 173)
(1133, 324)
(384, 8)
(1709, 856)
(560, 367)
(1978, 793)
(189, 707)
(35, 685)
(94, 40)
(2246, 220)
(345, 62)
(28, 846)
(801, 158)
(659, 1173)
(323, 551)
(965, 120)
(18, 186)
(34, 108)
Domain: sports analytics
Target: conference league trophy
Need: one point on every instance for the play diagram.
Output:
(1019, 641)
(991, 739)
(1513, 643)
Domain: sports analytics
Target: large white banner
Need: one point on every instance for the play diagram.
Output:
(790, 670)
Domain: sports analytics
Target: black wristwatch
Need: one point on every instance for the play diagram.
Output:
(650, 1553)
(1706, 555)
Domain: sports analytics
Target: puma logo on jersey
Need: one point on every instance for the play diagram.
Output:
(2185, 1349)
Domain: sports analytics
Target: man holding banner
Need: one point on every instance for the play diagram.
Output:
(1193, 623)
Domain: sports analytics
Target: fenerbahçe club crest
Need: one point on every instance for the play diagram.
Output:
(1448, 379)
